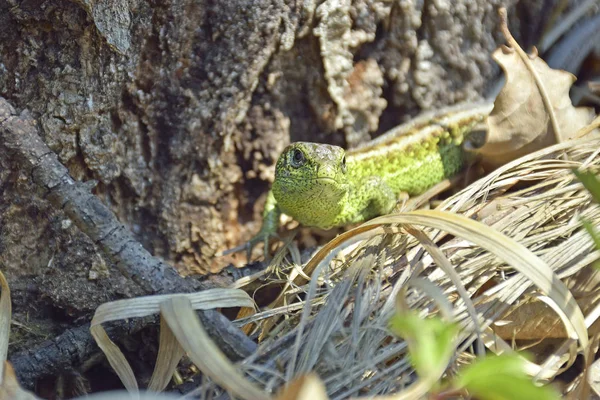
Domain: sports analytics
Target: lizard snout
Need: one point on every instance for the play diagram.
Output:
(327, 171)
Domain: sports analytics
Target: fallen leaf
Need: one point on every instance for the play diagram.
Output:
(533, 110)
(305, 387)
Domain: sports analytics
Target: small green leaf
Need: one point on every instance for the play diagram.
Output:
(430, 342)
(595, 237)
(502, 378)
(591, 183)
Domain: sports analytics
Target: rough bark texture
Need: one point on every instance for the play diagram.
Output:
(21, 142)
(179, 108)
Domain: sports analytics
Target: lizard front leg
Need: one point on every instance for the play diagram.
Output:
(369, 198)
(270, 224)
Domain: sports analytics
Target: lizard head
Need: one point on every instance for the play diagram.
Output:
(310, 182)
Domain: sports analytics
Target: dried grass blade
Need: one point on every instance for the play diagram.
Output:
(442, 262)
(148, 305)
(509, 250)
(434, 292)
(122, 395)
(169, 354)
(5, 316)
(324, 255)
(593, 371)
(555, 363)
(325, 322)
(417, 390)
(587, 129)
(115, 358)
(512, 252)
(183, 321)
(9, 385)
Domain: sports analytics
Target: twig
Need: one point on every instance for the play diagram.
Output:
(18, 134)
(70, 348)
(75, 345)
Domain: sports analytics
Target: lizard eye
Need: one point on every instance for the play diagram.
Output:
(344, 163)
(298, 158)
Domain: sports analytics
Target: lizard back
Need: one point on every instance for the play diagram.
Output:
(414, 156)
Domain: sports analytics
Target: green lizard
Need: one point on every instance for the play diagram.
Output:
(323, 186)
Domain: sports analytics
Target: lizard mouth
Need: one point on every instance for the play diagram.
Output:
(325, 179)
(303, 179)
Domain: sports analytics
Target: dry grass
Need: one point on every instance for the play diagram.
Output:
(507, 258)
(339, 328)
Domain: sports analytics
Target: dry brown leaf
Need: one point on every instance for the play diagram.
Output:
(533, 320)
(304, 387)
(533, 110)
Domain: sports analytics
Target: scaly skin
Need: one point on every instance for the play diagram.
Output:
(323, 186)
